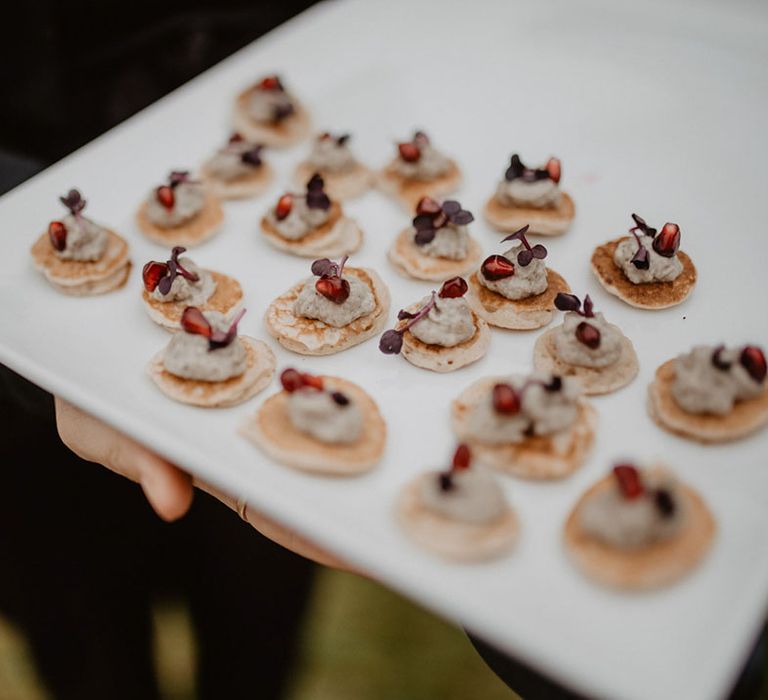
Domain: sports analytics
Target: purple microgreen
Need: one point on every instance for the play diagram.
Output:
(282, 111)
(340, 399)
(717, 359)
(420, 138)
(664, 503)
(567, 302)
(424, 236)
(517, 170)
(178, 177)
(175, 268)
(445, 481)
(74, 202)
(252, 156)
(316, 196)
(404, 315)
(640, 259)
(524, 257)
(341, 140)
(642, 226)
(392, 340)
(451, 207)
(588, 306)
(462, 218)
(220, 339)
(327, 268)
(422, 222)
(555, 384)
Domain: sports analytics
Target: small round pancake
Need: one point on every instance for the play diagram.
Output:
(339, 186)
(408, 191)
(594, 381)
(536, 457)
(230, 392)
(549, 221)
(83, 278)
(338, 236)
(308, 336)
(656, 565)
(522, 314)
(284, 133)
(654, 295)
(226, 299)
(95, 287)
(411, 262)
(189, 234)
(271, 430)
(453, 539)
(441, 359)
(745, 418)
(251, 185)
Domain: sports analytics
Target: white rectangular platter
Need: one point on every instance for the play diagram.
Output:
(657, 108)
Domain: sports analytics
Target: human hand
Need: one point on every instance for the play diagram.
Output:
(168, 489)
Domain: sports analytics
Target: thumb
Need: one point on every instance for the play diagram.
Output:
(167, 488)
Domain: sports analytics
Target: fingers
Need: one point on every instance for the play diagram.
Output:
(168, 489)
(280, 534)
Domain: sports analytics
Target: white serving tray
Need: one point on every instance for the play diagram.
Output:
(655, 108)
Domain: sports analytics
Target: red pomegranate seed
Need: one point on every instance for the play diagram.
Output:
(409, 152)
(284, 206)
(587, 334)
(165, 196)
(628, 478)
(271, 82)
(236, 138)
(497, 267)
(554, 169)
(667, 241)
(57, 232)
(312, 380)
(324, 136)
(453, 288)
(152, 273)
(505, 400)
(752, 359)
(462, 457)
(334, 289)
(291, 379)
(427, 205)
(193, 321)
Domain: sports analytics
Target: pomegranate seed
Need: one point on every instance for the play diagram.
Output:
(334, 289)
(57, 232)
(667, 241)
(505, 400)
(236, 138)
(291, 380)
(271, 82)
(628, 478)
(752, 359)
(152, 273)
(453, 288)
(165, 196)
(427, 205)
(462, 457)
(409, 152)
(193, 321)
(497, 267)
(284, 206)
(324, 136)
(587, 334)
(312, 380)
(554, 169)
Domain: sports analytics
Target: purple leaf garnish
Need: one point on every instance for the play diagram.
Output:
(640, 259)
(252, 156)
(281, 111)
(567, 302)
(451, 207)
(524, 257)
(423, 222)
(588, 306)
(323, 267)
(175, 268)
(445, 480)
(664, 503)
(339, 398)
(420, 138)
(424, 236)
(462, 218)
(555, 384)
(74, 202)
(341, 140)
(316, 196)
(177, 177)
(220, 339)
(718, 361)
(517, 170)
(392, 340)
(642, 226)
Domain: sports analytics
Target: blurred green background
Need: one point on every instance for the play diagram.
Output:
(359, 640)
